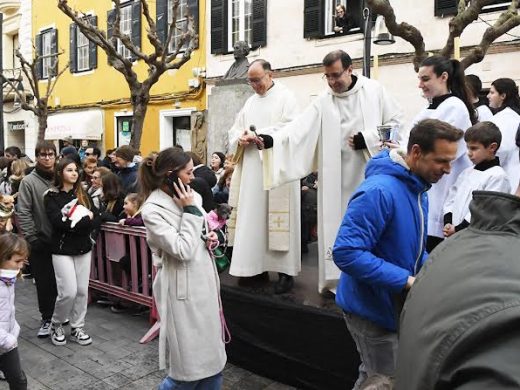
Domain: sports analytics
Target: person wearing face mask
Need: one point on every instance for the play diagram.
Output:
(442, 82)
(13, 254)
(460, 326)
(186, 287)
(505, 102)
(335, 135)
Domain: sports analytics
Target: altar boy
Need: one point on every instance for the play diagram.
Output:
(483, 141)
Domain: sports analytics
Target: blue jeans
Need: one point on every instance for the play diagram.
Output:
(212, 383)
(377, 349)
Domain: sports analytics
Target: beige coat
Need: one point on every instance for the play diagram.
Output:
(186, 289)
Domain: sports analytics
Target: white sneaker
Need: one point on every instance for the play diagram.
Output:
(58, 335)
(79, 336)
(45, 329)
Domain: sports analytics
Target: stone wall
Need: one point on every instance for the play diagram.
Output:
(224, 103)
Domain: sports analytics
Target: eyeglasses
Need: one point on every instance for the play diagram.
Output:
(46, 155)
(333, 76)
(256, 81)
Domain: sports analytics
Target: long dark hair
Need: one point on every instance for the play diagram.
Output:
(456, 80)
(155, 168)
(79, 192)
(509, 88)
(112, 188)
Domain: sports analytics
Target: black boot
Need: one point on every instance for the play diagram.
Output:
(284, 284)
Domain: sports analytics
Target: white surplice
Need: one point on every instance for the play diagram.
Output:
(508, 122)
(317, 140)
(251, 253)
(453, 111)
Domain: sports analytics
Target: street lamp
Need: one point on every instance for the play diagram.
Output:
(383, 37)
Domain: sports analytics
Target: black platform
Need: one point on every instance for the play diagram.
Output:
(298, 338)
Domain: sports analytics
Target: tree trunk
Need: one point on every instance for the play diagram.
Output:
(140, 100)
(42, 125)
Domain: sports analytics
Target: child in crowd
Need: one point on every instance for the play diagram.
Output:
(132, 209)
(483, 141)
(13, 253)
(89, 166)
(221, 190)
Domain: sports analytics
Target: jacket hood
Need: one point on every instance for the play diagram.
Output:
(392, 163)
(495, 211)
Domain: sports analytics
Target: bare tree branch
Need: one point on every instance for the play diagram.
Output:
(508, 20)
(171, 28)
(466, 15)
(52, 82)
(152, 29)
(404, 30)
(39, 105)
(158, 61)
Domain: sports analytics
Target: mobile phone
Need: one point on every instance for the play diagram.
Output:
(173, 178)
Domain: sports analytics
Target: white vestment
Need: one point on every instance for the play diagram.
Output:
(251, 252)
(508, 121)
(318, 141)
(453, 111)
(484, 113)
(471, 179)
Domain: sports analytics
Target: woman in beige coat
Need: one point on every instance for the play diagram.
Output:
(187, 287)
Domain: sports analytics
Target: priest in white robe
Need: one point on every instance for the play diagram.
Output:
(265, 225)
(335, 135)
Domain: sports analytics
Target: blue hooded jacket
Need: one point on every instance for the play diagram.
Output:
(382, 239)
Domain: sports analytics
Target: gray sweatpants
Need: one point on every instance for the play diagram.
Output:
(72, 277)
(377, 348)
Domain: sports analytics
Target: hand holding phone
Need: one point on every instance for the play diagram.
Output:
(182, 194)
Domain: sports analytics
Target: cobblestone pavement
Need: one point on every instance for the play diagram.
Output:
(115, 359)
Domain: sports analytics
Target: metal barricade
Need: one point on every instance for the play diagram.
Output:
(131, 281)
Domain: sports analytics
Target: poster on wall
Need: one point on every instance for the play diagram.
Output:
(183, 138)
(124, 130)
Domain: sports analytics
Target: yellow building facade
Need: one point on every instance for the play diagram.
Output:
(91, 100)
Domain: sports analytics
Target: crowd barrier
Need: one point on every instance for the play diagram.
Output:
(124, 247)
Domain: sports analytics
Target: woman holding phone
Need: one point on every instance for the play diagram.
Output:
(186, 287)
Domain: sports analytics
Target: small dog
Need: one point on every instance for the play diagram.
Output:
(74, 212)
(218, 217)
(6, 212)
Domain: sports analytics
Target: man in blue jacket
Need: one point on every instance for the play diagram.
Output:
(381, 242)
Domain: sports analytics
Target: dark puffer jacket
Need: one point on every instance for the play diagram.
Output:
(65, 239)
(460, 327)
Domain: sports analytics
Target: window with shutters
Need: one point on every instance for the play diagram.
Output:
(331, 13)
(240, 14)
(181, 23)
(82, 51)
(125, 26)
(321, 19)
(237, 20)
(450, 7)
(46, 53)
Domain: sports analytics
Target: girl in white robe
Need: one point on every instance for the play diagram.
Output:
(503, 97)
(443, 84)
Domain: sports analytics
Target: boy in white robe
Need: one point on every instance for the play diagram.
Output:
(483, 141)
